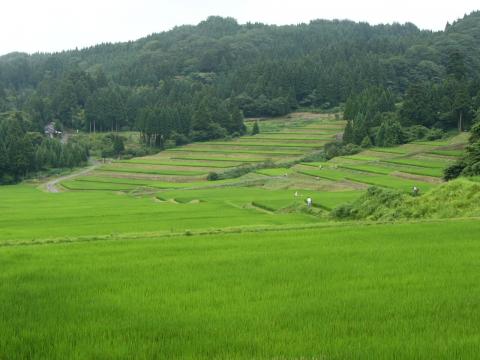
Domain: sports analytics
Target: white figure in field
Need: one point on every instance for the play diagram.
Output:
(309, 202)
(415, 190)
(296, 193)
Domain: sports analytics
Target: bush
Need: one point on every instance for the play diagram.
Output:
(139, 152)
(434, 134)
(338, 149)
(366, 142)
(244, 169)
(7, 179)
(453, 171)
(314, 156)
(255, 129)
(415, 132)
(212, 176)
(342, 212)
(179, 139)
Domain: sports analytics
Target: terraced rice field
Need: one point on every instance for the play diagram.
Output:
(280, 141)
(192, 163)
(417, 164)
(145, 258)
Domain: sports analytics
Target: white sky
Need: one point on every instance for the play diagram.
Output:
(54, 25)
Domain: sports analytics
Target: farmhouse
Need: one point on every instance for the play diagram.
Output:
(50, 131)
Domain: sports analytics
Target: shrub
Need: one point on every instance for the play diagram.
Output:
(212, 176)
(366, 142)
(179, 139)
(338, 149)
(255, 129)
(453, 171)
(415, 132)
(314, 156)
(434, 134)
(343, 212)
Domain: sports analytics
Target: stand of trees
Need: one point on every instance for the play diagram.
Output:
(437, 105)
(23, 151)
(196, 83)
(264, 70)
(469, 164)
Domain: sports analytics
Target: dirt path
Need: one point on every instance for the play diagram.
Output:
(52, 185)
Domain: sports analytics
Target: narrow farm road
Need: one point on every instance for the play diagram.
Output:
(52, 185)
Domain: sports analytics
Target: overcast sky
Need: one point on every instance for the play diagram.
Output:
(54, 25)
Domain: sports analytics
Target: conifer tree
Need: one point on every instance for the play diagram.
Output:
(348, 133)
(255, 128)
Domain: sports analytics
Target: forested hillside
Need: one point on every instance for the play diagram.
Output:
(197, 82)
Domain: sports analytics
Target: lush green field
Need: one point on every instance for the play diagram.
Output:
(357, 158)
(371, 177)
(145, 258)
(31, 215)
(431, 163)
(236, 151)
(138, 170)
(325, 173)
(194, 162)
(200, 159)
(282, 137)
(276, 171)
(368, 168)
(79, 183)
(378, 292)
(275, 199)
(379, 168)
(456, 153)
(179, 163)
(318, 145)
(148, 266)
(432, 143)
(392, 182)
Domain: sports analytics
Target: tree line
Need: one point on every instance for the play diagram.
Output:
(425, 111)
(264, 70)
(196, 83)
(23, 151)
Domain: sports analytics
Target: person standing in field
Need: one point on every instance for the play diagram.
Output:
(415, 190)
(309, 202)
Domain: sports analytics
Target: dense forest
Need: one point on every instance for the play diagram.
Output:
(195, 83)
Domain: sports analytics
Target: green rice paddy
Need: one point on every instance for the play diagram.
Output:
(385, 291)
(455, 153)
(275, 171)
(226, 151)
(431, 163)
(153, 171)
(269, 144)
(183, 164)
(146, 258)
